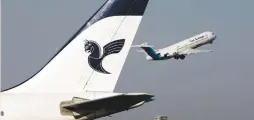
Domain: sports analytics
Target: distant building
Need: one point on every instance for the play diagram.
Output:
(160, 117)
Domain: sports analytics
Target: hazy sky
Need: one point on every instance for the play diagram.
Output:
(212, 86)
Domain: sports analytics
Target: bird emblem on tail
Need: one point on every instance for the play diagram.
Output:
(95, 58)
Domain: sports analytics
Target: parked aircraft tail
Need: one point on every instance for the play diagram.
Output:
(93, 57)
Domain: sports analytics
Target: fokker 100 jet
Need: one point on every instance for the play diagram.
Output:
(179, 50)
(78, 83)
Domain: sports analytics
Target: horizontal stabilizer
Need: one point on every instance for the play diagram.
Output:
(143, 45)
(140, 50)
(109, 103)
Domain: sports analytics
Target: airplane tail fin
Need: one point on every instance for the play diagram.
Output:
(148, 50)
(93, 58)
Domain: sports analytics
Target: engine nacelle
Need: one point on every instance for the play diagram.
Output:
(166, 55)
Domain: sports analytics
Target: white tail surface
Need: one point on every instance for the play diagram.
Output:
(121, 27)
(93, 58)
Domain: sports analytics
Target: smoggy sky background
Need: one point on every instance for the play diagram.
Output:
(212, 86)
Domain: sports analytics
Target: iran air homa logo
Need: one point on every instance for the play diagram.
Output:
(95, 58)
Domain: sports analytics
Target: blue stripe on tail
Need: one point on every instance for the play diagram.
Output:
(152, 53)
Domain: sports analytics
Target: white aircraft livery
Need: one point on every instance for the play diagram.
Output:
(179, 50)
(78, 82)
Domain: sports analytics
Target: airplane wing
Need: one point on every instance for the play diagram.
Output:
(193, 51)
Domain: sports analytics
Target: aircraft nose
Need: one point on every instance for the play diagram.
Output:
(212, 35)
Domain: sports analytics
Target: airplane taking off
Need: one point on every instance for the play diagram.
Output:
(179, 50)
(78, 82)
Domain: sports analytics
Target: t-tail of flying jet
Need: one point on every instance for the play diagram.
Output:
(179, 50)
(150, 53)
(79, 80)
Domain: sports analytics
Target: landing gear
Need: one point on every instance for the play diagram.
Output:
(182, 57)
(176, 57)
(179, 57)
(166, 55)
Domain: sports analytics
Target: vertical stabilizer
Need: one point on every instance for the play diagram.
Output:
(93, 58)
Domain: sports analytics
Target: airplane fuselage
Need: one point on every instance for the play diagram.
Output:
(42, 106)
(173, 51)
